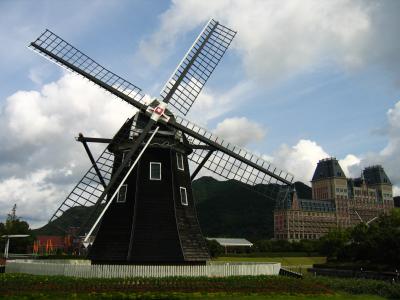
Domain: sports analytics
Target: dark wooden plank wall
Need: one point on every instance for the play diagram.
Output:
(112, 239)
(152, 226)
(155, 235)
(192, 241)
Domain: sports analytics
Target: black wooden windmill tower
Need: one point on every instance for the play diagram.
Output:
(139, 190)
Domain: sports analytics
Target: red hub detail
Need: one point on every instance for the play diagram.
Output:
(159, 110)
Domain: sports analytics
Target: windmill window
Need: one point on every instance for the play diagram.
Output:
(121, 196)
(179, 160)
(183, 192)
(155, 171)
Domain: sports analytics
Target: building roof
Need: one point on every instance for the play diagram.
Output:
(285, 200)
(226, 242)
(305, 204)
(317, 205)
(375, 175)
(328, 168)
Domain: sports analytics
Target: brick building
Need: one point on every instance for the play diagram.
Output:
(334, 201)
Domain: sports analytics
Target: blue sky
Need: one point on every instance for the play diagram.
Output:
(302, 81)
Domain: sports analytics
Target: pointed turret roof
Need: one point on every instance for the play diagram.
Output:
(328, 168)
(375, 175)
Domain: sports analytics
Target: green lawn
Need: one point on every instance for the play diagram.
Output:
(285, 261)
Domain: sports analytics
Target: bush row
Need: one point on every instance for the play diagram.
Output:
(19, 283)
(14, 284)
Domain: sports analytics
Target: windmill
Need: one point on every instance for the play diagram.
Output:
(139, 188)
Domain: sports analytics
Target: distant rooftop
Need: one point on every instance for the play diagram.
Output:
(226, 242)
(14, 235)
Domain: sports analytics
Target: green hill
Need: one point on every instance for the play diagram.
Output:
(73, 217)
(229, 209)
(224, 209)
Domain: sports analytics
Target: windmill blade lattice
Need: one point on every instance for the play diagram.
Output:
(233, 162)
(185, 84)
(88, 190)
(227, 167)
(61, 52)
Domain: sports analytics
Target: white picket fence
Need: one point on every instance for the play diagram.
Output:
(125, 271)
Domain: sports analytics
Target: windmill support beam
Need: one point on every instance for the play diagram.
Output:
(201, 164)
(82, 138)
(89, 153)
(118, 172)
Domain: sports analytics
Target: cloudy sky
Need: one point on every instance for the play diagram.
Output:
(303, 80)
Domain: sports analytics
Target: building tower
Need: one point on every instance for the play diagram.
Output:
(329, 183)
(376, 178)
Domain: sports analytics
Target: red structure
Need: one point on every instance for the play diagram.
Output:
(50, 244)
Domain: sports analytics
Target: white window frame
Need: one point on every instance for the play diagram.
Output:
(181, 188)
(150, 175)
(119, 193)
(179, 157)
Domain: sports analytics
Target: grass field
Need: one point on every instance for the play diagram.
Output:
(285, 261)
(184, 296)
(21, 286)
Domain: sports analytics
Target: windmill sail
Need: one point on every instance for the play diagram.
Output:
(234, 162)
(58, 50)
(227, 167)
(89, 189)
(187, 81)
(86, 192)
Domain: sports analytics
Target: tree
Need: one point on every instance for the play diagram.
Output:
(376, 244)
(214, 248)
(333, 243)
(14, 225)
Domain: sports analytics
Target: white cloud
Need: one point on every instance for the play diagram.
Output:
(300, 159)
(389, 156)
(396, 190)
(349, 163)
(183, 16)
(35, 196)
(211, 105)
(39, 159)
(240, 131)
(282, 38)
